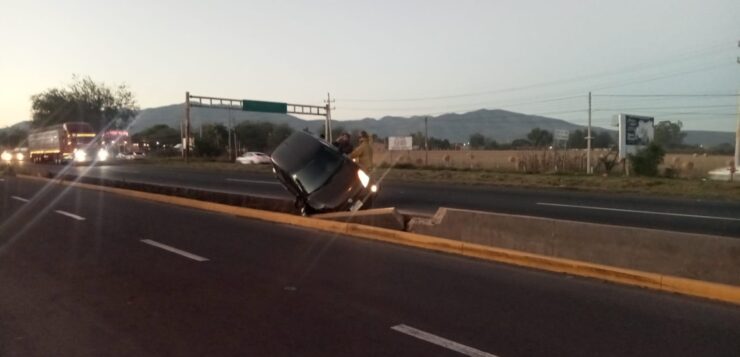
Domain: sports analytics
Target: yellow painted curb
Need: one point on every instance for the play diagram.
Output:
(698, 288)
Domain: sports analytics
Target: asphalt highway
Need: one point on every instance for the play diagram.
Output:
(86, 273)
(686, 215)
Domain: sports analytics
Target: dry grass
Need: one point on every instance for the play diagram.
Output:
(541, 161)
(678, 187)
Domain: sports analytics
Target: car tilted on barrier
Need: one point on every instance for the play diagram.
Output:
(320, 177)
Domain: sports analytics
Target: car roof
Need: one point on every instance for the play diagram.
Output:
(296, 151)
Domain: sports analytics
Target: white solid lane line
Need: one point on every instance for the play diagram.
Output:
(639, 211)
(439, 341)
(71, 215)
(253, 181)
(17, 198)
(174, 250)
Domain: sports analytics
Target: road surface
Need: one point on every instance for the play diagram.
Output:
(687, 215)
(87, 273)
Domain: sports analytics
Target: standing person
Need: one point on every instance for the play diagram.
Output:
(343, 144)
(364, 152)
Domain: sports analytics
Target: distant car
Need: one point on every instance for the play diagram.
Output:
(137, 155)
(254, 158)
(320, 177)
(125, 156)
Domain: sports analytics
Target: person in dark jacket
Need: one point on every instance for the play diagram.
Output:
(343, 144)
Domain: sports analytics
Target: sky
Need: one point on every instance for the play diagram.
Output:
(389, 58)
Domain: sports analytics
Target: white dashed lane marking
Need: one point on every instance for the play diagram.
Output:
(174, 250)
(439, 341)
(70, 215)
(639, 211)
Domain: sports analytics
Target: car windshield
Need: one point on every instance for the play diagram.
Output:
(318, 171)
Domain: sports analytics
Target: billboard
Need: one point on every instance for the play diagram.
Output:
(561, 135)
(635, 132)
(400, 143)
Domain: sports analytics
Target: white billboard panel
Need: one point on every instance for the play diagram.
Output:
(635, 132)
(400, 143)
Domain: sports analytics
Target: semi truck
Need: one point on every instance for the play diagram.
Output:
(63, 143)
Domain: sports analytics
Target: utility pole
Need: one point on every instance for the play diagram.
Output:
(230, 151)
(589, 169)
(426, 141)
(186, 153)
(737, 131)
(327, 127)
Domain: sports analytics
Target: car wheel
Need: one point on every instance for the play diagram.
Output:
(303, 208)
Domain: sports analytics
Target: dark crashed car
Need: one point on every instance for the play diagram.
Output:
(320, 177)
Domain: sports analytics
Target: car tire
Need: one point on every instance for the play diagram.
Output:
(303, 208)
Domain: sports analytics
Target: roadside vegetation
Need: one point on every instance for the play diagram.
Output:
(666, 167)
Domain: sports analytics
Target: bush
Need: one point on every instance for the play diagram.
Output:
(207, 148)
(645, 162)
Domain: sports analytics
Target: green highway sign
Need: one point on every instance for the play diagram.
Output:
(265, 107)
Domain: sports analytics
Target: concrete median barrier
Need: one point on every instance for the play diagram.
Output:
(378, 217)
(229, 198)
(694, 256)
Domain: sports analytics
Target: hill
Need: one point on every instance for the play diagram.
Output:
(501, 125)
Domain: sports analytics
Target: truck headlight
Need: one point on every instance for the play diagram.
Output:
(102, 155)
(6, 156)
(364, 178)
(80, 155)
(19, 156)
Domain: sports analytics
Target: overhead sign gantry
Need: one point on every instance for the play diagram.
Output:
(253, 106)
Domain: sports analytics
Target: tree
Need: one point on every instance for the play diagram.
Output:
(87, 101)
(439, 144)
(161, 133)
(669, 134)
(577, 140)
(213, 140)
(518, 143)
(491, 144)
(12, 138)
(477, 141)
(602, 140)
(645, 162)
(539, 137)
(277, 135)
(261, 136)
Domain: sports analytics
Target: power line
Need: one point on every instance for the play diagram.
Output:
(666, 95)
(669, 75)
(671, 107)
(478, 105)
(637, 67)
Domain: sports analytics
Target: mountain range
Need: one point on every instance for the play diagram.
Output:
(500, 125)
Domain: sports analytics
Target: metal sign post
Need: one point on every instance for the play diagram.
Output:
(251, 106)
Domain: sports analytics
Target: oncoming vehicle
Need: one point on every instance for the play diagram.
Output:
(254, 158)
(17, 155)
(67, 142)
(320, 177)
